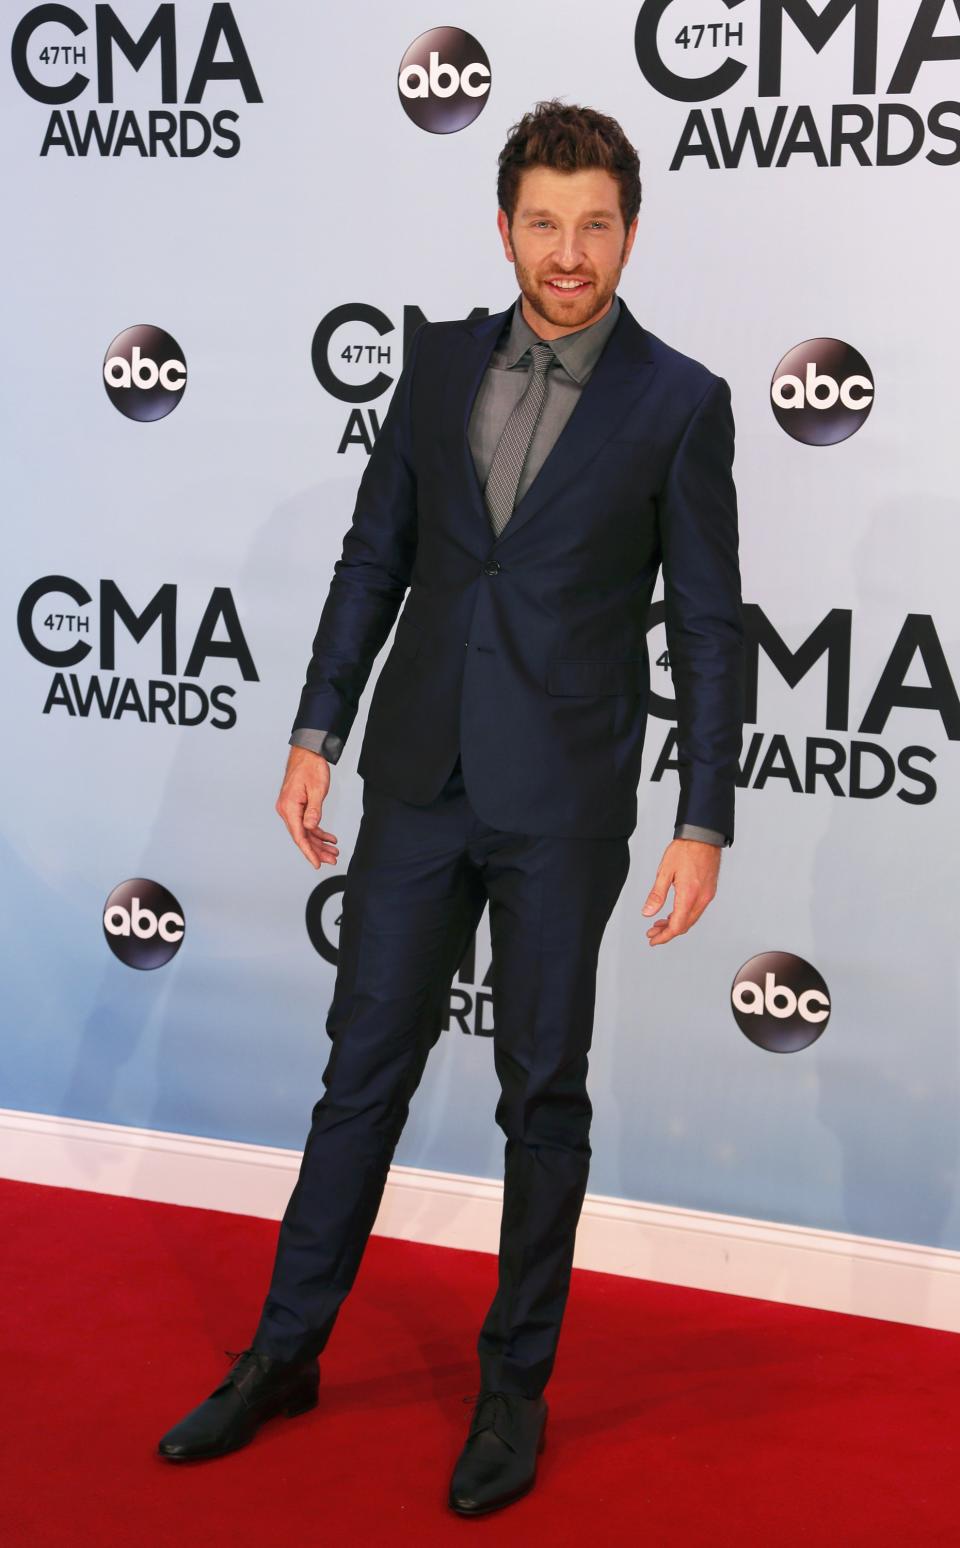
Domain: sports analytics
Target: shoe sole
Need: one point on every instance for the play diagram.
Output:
(292, 1410)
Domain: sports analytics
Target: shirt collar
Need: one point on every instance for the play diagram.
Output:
(577, 352)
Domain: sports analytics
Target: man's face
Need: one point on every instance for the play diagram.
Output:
(568, 244)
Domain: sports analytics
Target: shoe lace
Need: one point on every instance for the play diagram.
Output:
(493, 1412)
(241, 1357)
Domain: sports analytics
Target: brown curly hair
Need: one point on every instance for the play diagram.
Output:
(568, 138)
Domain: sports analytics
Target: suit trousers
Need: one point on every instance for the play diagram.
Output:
(416, 886)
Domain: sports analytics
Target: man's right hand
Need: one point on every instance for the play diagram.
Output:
(300, 803)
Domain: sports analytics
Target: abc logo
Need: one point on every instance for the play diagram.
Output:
(143, 923)
(324, 910)
(144, 372)
(780, 1002)
(444, 80)
(822, 391)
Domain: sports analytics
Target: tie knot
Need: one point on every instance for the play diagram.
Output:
(541, 356)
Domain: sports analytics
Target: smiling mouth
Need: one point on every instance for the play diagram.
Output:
(567, 287)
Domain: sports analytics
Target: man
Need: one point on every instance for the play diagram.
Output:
(534, 470)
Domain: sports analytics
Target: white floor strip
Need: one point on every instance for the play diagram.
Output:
(827, 1269)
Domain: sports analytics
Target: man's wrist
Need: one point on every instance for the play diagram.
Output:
(690, 830)
(326, 743)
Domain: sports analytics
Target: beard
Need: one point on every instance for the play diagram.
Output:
(573, 311)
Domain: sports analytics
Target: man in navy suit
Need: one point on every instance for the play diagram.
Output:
(534, 471)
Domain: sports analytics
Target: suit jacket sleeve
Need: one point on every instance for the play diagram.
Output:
(697, 514)
(370, 577)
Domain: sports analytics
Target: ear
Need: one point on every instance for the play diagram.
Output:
(503, 226)
(630, 238)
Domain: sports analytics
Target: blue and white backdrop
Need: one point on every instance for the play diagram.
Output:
(224, 223)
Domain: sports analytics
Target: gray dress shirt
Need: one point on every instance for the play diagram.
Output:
(500, 389)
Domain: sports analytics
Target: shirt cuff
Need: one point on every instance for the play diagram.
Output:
(326, 743)
(689, 830)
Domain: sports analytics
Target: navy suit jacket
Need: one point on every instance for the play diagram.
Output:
(527, 652)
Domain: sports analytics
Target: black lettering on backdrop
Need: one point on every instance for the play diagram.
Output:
(111, 33)
(48, 654)
(222, 28)
(360, 430)
(114, 605)
(679, 88)
(64, 91)
(922, 45)
(221, 609)
(161, 28)
(363, 425)
(917, 637)
(889, 135)
(858, 769)
(152, 700)
(817, 29)
(348, 392)
(831, 638)
(154, 50)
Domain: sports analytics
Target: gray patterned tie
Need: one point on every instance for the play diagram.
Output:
(500, 490)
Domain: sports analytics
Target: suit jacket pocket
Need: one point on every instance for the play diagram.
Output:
(570, 674)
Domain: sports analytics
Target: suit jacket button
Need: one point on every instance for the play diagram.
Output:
(491, 567)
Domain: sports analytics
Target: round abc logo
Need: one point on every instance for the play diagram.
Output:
(324, 908)
(822, 391)
(143, 923)
(144, 372)
(444, 80)
(780, 1002)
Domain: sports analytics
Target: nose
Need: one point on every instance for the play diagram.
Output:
(568, 253)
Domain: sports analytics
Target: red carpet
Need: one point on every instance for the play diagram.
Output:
(677, 1417)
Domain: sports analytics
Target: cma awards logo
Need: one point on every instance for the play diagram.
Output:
(56, 629)
(695, 58)
(780, 1002)
(444, 80)
(468, 1007)
(144, 373)
(143, 924)
(57, 60)
(915, 676)
(357, 352)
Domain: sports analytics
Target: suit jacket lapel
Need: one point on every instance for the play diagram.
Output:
(619, 378)
(467, 362)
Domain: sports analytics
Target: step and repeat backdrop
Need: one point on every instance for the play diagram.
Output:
(225, 223)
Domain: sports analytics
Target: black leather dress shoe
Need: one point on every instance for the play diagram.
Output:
(257, 1387)
(498, 1464)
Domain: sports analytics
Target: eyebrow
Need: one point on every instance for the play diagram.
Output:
(587, 214)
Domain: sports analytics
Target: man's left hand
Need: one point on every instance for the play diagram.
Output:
(691, 867)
